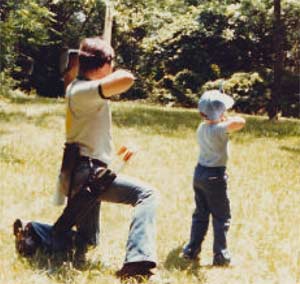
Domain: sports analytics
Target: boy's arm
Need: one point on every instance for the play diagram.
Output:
(116, 83)
(234, 123)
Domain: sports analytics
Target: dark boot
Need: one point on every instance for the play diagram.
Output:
(26, 240)
(81, 249)
(139, 270)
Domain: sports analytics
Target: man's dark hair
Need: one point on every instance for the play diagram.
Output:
(94, 52)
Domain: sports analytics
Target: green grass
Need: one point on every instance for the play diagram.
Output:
(264, 192)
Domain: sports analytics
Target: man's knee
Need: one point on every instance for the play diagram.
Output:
(149, 194)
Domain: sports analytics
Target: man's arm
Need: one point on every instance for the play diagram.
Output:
(72, 67)
(116, 83)
(234, 123)
(89, 94)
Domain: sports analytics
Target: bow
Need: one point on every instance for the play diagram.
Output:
(107, 33)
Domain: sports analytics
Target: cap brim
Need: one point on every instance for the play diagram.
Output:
(227, 101)
(213, 104)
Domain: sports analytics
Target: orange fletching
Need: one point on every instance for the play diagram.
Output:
(127, 156)
(122, 150)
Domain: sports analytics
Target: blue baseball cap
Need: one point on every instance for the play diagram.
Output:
(214, 103)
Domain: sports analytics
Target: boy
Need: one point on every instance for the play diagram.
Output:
(210, 179)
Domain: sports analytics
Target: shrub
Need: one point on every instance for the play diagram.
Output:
(252, 92)
(140, 90)
(249, 90)
(7, 85)
(187, 79)
(179, 89)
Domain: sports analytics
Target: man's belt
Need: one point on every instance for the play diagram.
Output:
(84, 200)
(94, 161)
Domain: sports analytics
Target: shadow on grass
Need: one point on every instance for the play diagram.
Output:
(174, 261)
(4, 132)
(37, 119)
(33, 100)
(12, 116)
(262, 127)
(60, 266)
(43, 119)
(151, 120)
(292, 150)
(7, 155)
(174, 122)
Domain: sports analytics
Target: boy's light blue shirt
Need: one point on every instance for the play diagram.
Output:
(213, 141)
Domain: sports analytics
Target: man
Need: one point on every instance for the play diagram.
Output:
(88, 125)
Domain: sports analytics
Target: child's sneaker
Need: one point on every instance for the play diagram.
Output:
(188, 254)
(221, 259)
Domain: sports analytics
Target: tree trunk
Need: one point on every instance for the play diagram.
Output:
(274, 106)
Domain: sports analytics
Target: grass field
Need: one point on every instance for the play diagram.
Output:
(264, 190)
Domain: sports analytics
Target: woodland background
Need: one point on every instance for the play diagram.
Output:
(176, 48)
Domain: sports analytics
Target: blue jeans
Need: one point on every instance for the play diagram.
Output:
(210, 188)
(141, 244)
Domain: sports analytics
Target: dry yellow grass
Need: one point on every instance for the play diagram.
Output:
(264, 190)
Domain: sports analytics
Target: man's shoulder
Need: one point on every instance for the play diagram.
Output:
(78, 86)
(70, 87)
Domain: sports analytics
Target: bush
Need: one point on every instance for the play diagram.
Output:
(162, 96)
(249, 90)
(7, 85)
(135, 93)
(140, 90)
(252, 92)
(187, 79)
(179, 89)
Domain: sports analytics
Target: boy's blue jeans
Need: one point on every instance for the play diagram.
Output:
(210, 188)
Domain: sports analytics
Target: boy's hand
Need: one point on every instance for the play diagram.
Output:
(224, 118)
(235, 123)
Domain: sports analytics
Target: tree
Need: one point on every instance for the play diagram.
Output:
(23, 24)
(274, 106)
(173, 46)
